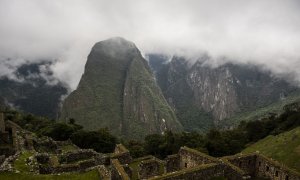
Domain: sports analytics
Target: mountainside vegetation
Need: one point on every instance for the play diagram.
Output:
(100, 140)
(118, 91)
(284, 147)
(281, 131)
(220, 142)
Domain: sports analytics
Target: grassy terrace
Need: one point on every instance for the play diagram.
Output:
(285, 148)
(20, 163)
(28, 176)
(25, 174)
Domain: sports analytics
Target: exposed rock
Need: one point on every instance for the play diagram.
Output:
(194, 89)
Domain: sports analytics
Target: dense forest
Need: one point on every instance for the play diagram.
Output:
(216, 142)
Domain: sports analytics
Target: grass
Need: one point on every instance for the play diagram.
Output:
(285, 148)
(25, 174)
(260, 112)
(68, 148)
(20, 163)
(74, 176)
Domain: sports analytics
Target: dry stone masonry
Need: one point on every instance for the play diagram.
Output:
(192, 164)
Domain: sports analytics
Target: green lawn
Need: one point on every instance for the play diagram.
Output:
(285, 148)
(74, 176)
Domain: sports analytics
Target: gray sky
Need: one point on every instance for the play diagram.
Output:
(263, 32)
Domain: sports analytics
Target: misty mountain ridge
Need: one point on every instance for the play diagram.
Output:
(199, 96)
(204, 97)
(33, 88)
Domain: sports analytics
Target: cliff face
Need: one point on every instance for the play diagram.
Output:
(118, 91)
(214, 90)
(215, 94)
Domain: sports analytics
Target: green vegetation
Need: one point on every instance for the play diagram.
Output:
(100, 140)
(261, 112)
(90, 175)
(68, 148)
(20, 164)
(60, 131)
(219, 143)
(284, 147)
(118, 91)
(193, 119)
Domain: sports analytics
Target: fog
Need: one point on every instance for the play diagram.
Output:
(261, 32)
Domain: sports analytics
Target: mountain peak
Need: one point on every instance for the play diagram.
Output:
(118, 91)
(116, 47)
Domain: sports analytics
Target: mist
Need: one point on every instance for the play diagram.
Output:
(260, 32)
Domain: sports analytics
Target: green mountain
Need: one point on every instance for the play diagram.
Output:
(284, 148)
(118, 91)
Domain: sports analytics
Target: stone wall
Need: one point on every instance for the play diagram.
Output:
(79, 160)
(200, 172)
(104, 173)
(120, 148)
(117, 171)
(2, 159)
(42, 158)
(77, 155)
(266, 167)
(62, 168)
(149, 168)
(172, 163)
(29, 141)
(7, 151)
(128, 170)
(234, 173)
(2, 123)
(190, 158)
(258, 165)
(45, 144)
(124, 158)
(245, 162)
(122, 154)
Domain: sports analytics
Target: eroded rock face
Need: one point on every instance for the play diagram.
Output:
(118, 91)
(194, 89)
(214, 90)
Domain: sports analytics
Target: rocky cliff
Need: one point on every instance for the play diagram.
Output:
(118, 91)
(204, 96)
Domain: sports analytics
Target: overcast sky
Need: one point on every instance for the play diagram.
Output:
(264, 32)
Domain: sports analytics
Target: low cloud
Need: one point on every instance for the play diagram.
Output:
(262, 32)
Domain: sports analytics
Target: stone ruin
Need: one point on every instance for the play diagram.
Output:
(122, 154)
(72, 161)
(8, 137)
(51, 157)
(192, 164)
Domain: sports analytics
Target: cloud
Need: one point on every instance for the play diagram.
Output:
(263, 32)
